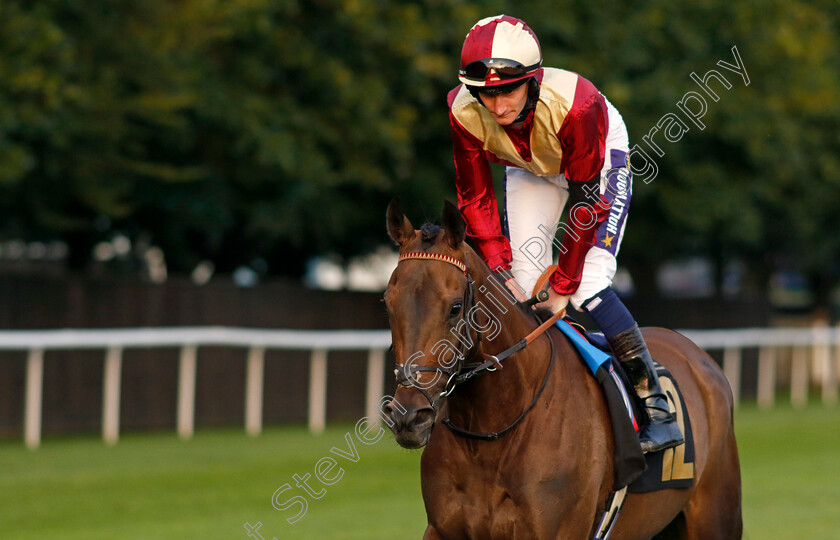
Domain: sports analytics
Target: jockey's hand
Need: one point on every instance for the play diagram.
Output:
(556, 302)
(515, 290)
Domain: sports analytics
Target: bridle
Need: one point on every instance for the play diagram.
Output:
(406, 374)
(462, 371)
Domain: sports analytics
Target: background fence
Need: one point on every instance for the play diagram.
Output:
(802, 357)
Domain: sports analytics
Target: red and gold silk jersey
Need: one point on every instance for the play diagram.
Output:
(565, 134)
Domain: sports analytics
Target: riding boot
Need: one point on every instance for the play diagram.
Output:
(662, 431)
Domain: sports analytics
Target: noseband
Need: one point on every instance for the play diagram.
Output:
(462, 371)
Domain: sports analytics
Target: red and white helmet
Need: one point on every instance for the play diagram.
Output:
(499, 50)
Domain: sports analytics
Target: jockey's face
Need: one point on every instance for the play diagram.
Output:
(505, 107)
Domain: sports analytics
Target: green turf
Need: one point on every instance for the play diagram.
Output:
(790, 469)
(156, 486)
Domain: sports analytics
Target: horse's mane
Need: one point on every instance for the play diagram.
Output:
(429, 233)
(543, 314)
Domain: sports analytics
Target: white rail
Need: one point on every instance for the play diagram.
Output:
(189, 340)
(803, 346)
(809, 350)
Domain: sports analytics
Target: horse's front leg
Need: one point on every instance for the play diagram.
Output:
(432, 534)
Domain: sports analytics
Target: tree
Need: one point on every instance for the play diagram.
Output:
(234, 129)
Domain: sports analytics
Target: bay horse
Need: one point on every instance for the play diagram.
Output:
(549, 473)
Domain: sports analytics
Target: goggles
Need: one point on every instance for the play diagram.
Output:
(504, 68)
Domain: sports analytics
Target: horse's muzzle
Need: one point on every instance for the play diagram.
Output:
(411, 425)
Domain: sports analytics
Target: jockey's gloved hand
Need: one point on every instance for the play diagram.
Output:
(515, 290)
(506, 277)
(556, 302)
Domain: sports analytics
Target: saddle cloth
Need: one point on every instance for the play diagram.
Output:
(670, 468)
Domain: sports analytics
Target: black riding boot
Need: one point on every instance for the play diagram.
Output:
(662, 431)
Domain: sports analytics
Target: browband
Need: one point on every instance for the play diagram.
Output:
(435, 257)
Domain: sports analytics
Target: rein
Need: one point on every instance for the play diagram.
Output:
(492, 436)
(463, 372)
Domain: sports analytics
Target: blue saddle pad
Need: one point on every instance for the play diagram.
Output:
(592, 355)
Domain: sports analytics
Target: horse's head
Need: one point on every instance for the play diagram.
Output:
(428, 297)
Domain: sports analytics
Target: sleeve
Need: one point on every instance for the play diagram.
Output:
(583, 138)
(583, 135)
(477, 198)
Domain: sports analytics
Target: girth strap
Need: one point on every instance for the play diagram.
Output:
(613, 508)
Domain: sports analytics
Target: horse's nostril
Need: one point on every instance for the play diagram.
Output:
(422, 418)
(389, 409)
(396, 414)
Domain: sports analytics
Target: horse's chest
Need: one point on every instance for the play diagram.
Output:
(497, 516)
(505, 500)
(503, 507)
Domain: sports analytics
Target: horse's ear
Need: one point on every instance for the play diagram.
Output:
(400, 228)
(454, 224)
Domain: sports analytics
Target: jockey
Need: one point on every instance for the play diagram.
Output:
(562, 143)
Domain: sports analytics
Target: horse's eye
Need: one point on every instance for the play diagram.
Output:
(455, 310)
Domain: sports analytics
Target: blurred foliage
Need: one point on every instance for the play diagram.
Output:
(233, 129)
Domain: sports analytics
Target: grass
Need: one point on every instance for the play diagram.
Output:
(790, 469)
(156, 486)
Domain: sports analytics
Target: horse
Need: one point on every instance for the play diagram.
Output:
(544, 468)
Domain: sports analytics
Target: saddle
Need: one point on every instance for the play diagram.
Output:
(634, 471)
(640, 473)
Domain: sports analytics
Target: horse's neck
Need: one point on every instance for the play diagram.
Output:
(507, 323)
(506, 327)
